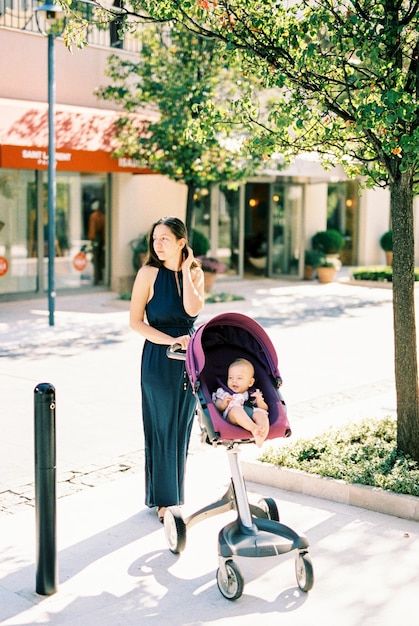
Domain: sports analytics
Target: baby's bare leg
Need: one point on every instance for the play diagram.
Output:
(261, 419)
(238, 416)
(258, 426)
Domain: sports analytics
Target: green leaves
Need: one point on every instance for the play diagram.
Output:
(364, 453)
(185, 79)
(352, 64)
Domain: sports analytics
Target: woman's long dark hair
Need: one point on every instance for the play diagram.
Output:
(177, 227)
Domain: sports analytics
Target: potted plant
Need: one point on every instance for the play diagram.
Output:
(386, 243)
(312, 260)
(326, 271)
(200, 243)
(211, 267)
(139, 249)
(330, 242)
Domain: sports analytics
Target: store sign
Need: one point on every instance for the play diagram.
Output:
(85, 138)
(41, 156)
(68, 160)
(4, 265)
(80, 261)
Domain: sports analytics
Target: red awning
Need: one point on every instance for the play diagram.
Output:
(84, 138)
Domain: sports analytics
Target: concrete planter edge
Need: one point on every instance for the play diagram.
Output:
(363, 496)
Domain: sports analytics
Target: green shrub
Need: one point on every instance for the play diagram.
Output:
(200, 244)
(313, 258)
(365, 453)
(213, 298)
(380, 273)
(139, 247)
(386, 241)
(210, 298)
(328, 241)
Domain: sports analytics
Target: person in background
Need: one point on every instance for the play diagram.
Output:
(167, 296)
(96, 234)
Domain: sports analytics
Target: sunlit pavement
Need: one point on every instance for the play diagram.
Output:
(335, 349)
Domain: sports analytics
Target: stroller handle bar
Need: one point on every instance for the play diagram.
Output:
(175, 352)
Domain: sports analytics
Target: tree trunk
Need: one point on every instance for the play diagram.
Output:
(406, 364)
(189, 208)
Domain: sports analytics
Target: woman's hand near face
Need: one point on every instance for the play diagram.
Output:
(188, 260)
(193, 285)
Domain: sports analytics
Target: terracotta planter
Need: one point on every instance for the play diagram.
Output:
(209, 279)
(309, 272)
(326, 274)
(389, 257)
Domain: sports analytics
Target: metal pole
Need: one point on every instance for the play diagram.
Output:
(51, 179)
(45, 490)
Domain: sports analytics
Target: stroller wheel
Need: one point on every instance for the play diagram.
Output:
(175, 529)
(231, 586)
(268, 506)
(304, 571)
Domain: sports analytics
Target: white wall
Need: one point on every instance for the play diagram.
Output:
(137, 202)
(374, 216)
(315, 208)
(24, 70)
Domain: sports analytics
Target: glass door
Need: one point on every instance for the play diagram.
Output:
(285, 229)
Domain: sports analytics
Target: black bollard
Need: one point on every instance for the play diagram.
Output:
(45, 490)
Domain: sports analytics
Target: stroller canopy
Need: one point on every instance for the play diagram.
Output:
(212, 348)
(234, 332)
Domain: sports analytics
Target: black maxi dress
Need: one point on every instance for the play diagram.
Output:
(168, 403)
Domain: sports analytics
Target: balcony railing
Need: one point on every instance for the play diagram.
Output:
(20, 15)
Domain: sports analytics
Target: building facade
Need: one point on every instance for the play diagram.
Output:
(263, 227)
(129, 195)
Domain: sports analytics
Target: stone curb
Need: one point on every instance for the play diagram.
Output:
(363, 496)
(378, 284)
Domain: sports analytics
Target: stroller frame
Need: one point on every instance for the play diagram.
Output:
(257, 531)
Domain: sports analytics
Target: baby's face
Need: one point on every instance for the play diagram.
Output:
(239, 378)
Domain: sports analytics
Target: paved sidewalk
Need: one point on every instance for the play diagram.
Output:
(334, 344)
(115, 568)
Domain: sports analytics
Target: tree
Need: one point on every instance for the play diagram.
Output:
(348, 88)
(347, 75)
(176, 74)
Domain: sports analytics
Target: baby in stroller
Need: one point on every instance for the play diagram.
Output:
(257, 531)
(239, 407)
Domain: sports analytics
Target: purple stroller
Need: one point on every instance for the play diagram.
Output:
(256, 532)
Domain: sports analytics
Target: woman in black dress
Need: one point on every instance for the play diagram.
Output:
(167, 296)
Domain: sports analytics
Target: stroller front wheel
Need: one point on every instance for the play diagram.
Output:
(231, 584)
(304, 571)
(269, 507)
(175, 529)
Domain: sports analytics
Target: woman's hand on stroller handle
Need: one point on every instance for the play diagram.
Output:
(175, 351)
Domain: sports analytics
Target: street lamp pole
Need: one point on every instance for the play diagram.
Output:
(53, 27)
(52, 187)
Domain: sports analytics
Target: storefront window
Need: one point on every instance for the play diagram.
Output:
(342, 214)
(273, 225)
(222, 209)
(18, 265)
(94, 218)
(79, 254)
(228, 249)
